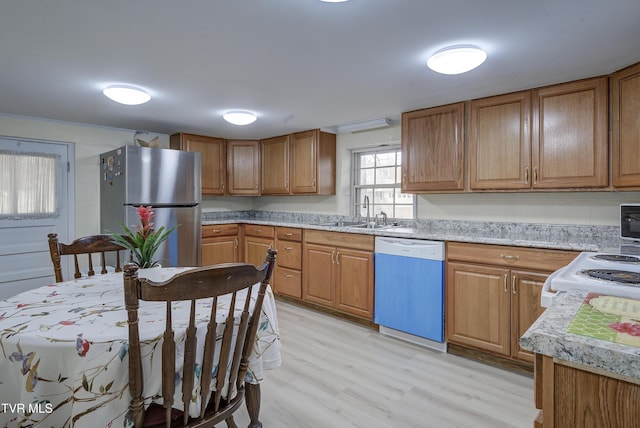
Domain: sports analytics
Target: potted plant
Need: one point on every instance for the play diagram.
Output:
(145, 241)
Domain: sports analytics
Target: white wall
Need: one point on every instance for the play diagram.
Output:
(592, 208)
(89, 142)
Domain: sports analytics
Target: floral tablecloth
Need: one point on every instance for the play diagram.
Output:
(64, 352)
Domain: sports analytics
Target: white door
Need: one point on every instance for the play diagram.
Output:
(34, 201)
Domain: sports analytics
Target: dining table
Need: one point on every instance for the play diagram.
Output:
(64, 351)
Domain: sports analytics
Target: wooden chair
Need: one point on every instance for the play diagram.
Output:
(88, 245)
(200, 283)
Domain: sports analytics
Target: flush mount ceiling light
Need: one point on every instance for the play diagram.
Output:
(128, 95)
(456, 59)
(239, 117)
(334, 1)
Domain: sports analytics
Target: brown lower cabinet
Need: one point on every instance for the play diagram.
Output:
(287, 278)
(220, 244)
(493, 295)
(571, 396)
(257, 240)
(338, 271)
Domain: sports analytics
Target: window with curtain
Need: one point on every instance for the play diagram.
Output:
(377, 175)
(28, 185)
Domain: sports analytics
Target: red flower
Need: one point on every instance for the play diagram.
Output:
(145, 215)
(66, 322)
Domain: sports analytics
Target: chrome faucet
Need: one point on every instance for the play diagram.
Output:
(365, 204)
(384, 217)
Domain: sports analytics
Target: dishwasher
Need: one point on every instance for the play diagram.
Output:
(409, 290)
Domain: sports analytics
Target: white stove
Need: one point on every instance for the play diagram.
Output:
(611, 273)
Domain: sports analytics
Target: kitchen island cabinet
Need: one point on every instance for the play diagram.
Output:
(338, 272)
(581, 381)
(220, 244)
(433, 149)
(493, 295)
(625, 124)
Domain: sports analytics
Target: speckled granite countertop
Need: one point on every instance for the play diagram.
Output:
(563, 237)
(548, 336)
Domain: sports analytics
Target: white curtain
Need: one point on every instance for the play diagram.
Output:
(28, 185)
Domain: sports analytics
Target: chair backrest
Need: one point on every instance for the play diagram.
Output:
(89, 245)
(235, 280)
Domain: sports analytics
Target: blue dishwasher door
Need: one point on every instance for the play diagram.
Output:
(410, 295)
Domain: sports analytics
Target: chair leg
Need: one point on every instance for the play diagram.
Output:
(252, 401)
(231, 423)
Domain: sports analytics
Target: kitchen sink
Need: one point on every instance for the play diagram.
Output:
(368, 226)
(342, 224)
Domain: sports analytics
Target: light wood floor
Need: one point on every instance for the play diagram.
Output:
(337, 374)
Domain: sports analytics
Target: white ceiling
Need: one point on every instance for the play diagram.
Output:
(298, 64)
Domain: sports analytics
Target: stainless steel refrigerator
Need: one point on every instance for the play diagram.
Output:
(170, 182)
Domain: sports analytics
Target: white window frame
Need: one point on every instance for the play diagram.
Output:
(357, 201)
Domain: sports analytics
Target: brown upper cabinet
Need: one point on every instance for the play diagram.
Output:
(243, 167)
(625, 121)
(213, 153)
(550, 138)
(313, 163)
(433, 149)
(303, 163)
(275, 165)
(500, 142)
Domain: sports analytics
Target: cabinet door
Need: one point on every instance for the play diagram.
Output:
(243, 167)
(287, 281)
(213, 156)
(526, 288)
(570, 148)
(500, 142)
(432, 149)
(625, 123)
(478, 307)
(318, 275)
(354, 282)
(304, 166)
(223, 249)
(255, 249)
(275, 165)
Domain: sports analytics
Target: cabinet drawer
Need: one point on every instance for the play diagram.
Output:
(289, 233)
(519, 257)
(288, 282)
(212, 230)
(259, 230)
(290, 254)
(338, 239)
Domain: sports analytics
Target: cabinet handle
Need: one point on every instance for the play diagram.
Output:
(288, 234)
(235, 243)
(333, 254)
(288, 248)
(535, 175)
(506, 279)
(216, 231)
(526, 175)
(222, 186)
(509, 257)
(288, 276)
(258, 230)
(338, 257)
(513, 284)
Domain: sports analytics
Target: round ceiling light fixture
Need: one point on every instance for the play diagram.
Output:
(239, 117)
(333, 1)
(456, 59)
(129, 95)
